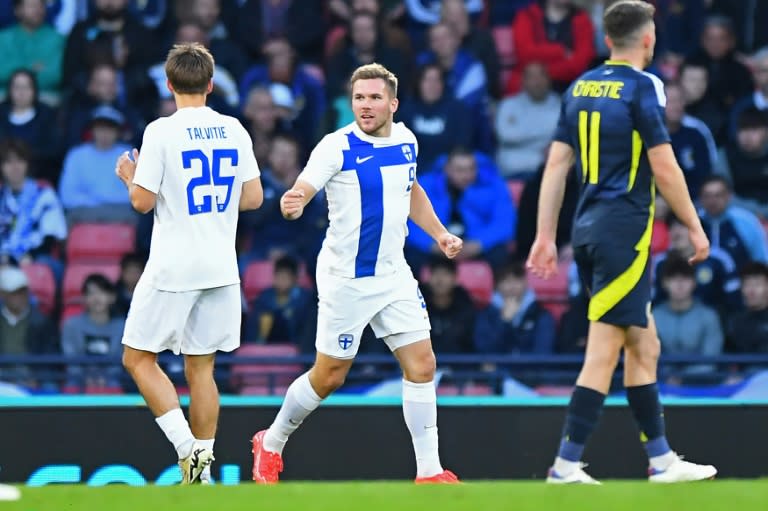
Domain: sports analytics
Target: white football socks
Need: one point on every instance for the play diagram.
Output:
(176, 429)
(300, 400)
(420, 412)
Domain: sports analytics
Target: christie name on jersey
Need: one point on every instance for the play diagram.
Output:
(212, 132)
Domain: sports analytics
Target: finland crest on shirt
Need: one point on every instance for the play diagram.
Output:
(368, 182)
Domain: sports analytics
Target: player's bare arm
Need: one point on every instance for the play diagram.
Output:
(671, 183)
(142, 199)
(542, 260)
(252, 196)
(423, 214)
(293, 201)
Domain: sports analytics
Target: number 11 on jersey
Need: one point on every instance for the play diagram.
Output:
(210, 177)
(589, 145)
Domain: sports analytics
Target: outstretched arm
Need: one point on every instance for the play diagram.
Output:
(423, 214)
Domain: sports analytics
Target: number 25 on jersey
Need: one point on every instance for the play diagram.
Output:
(210, 179)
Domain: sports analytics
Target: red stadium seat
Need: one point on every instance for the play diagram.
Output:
(259, 276)
(447, 389)
(515, 187)
(42, 285)
(100, 242)
(554, 289)
(660, 237)
(475, 276)
(263, 390)
(76, 273)
(265, 375)
(557, 309)
(476, 389)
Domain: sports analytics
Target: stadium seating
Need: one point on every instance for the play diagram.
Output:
(105, 243)
(474, 276)
(259, 276)
(76, 273)
(264, 378)
(42, 284)
(554, 289)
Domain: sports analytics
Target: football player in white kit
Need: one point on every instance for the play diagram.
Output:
(368, 169)
(196, 169)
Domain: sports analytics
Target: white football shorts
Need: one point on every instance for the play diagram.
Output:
(198, 322)
(392, 304)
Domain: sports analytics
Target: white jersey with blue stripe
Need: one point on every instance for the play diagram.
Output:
(368, 183)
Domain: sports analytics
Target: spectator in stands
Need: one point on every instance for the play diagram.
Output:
(700, 102)
(717, 277)
(527, 210)
(729, 79)
(388, 13)
(102, 89)
(94, 332)
(747, 330)
(33, 44)
(450, 308)
(574, 323)
(213, 33)
(678, 27)
(363, 45)
(464, 74)
(23, 328)
(525, 124)
(269, 235)
(746, 161)
(24, 117)
(472, 201)
(476, 40)
(514, 322)
(557, 34)
(731, 227)
(757, 99)
(308, 109)
(464, 78)
(224, 98)
(748, 18)
(261, 119)
(299, 21)
(691, 140)
(685, 325)
(32, 223)
(111, 35)
(285, 312)
(420, 15)
(88, 186)
(131, 268)
(439, 122)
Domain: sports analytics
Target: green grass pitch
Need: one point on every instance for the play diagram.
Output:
(724, 495)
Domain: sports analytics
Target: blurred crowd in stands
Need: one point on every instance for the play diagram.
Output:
(480, 85)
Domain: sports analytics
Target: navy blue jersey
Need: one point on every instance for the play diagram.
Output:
(611, 116)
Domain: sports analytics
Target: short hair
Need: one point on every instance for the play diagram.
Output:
(752, 118)
(459, 151)
(716, 178)
(373, 71)
(17, 147)
(442, 263)
(677, 266)
(32, 78)
(287, 263)
(100, 281)
(754, 269)
(132, 258)
(514, 269)
(622, 21)
(189, 68)
(723, 22)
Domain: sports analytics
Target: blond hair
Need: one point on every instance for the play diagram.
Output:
(373, 71)
(189, 68)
